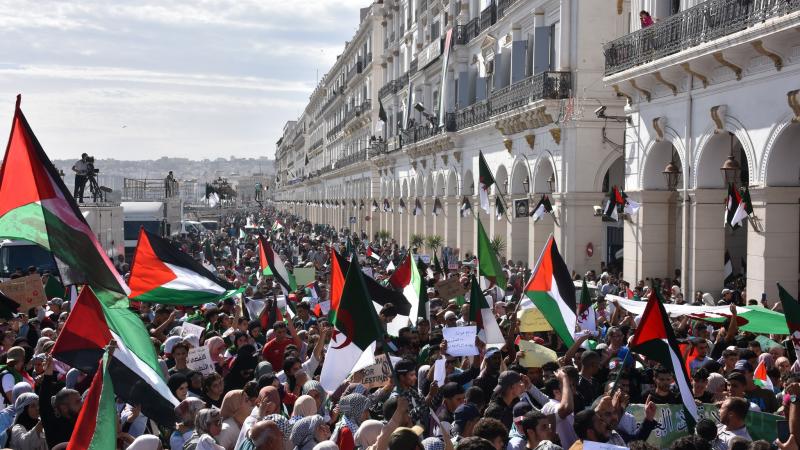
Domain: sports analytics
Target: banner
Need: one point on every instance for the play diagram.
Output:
(28, 291)
(672, 424)
(443, 95)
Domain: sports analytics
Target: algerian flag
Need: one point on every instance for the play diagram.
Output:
(437, 207)
(542, 208)
(488, 265)
(552, 291)
(499, 209)
(655, 339)
(481, 313)
(744, 209)
(485, 180)
(728, 268)
(162, 273)
(356, 327)
(466, 207)
(586, 315)
(732, 206)
(417, 207)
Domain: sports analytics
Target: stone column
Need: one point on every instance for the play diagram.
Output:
(428, 217)
(706, 241)
(772, 246)
(649, 236)
(577, 228)
(451, 219)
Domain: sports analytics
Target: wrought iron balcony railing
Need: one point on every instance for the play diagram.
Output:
(705, 22)
(472, 29)
(360, 155)
(460, 35)
(488, 16)
(426, 130)
(502, 7)
(413, 66)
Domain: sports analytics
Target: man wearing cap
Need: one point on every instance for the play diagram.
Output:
(763, 398)
(488, 377)
(464, 419)
(452, 398)
(13, 373)
(509, 388)
(419, 408)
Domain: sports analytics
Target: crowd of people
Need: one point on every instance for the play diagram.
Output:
(265, 392)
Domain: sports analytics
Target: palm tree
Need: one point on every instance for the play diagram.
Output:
(498, 245)
(384, 235)
(417, 240)
(434, 242)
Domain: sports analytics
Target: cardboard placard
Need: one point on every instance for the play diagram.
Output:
(531, 320)
(304, 275)
(199, 359)
(190, 329)
(535, 355)
(461, 340)
(450, 288)
(28, 291)
(376, 375)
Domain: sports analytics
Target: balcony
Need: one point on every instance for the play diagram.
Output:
(542, 86)
(355, 70)
(426, 130)
(352, 158)
(336, 129)
(460, 35)
(336, 95)
(488, 17)
(472, 29)
(503, 6)
(357, 110)
(703, 23)
(413, 66)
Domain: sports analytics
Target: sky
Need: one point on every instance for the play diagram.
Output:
(189, 78)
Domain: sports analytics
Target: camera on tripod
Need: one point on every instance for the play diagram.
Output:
(98, 192)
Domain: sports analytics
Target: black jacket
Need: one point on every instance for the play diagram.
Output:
(56, 429)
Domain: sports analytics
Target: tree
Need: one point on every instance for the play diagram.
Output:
(384, 235)
(417, 240)
(434, 242)
(498, 245)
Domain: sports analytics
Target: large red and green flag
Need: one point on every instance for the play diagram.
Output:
(36, 206)
(162, 273)
(137, 380)
(408, 278)
(356, 330)
(586, 315)
(272, 265)
(96, 426)
(488, 264)
(655, 339)
(481, 314)
(791, 311)
(552, 291)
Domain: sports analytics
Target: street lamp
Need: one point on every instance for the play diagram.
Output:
(731, 167)
(551, 182)
(672, 172)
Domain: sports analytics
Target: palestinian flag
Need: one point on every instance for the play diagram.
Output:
(481, 314)
(552, 291)
(138, 381)
(791, 310)
(387, 207)
(408, 278)
(727, 268)
(277, 226)
(402, 207)
(417, 207)
(499, 209)
(542, 208)
(271, 264)
(162, 273)
(8, 307)
(36, 206)
(630, 207)
(760, 377)
(586, 315)
(732, 206)
(437, 267)
(614, 202)
(488, 265)
(744, 209)
(655, 339)
(96, 426)
(356, 329)
(466, 207)
(380, 295)
(373, 254)
(374, 205)
(264, 311)
(437, 207)
(485, 180)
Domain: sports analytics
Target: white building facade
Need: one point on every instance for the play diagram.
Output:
(710, 84)
(518, 82)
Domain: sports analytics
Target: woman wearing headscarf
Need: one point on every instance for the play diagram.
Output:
(146, 442)
(354, 409)
(185, 412)
(286, 429)
(368, 433)
(317, 392)
(304, 406)
(216, 347)
(207, 425)
(28, 431)
(242, 368)
(325, 445)
(309, 431)
(235, 409)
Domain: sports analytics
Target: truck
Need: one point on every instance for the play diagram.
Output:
(136, 215)
(20, 255)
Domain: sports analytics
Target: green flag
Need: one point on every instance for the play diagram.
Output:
(488, 264)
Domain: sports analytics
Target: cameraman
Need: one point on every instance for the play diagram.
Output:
(81, 169)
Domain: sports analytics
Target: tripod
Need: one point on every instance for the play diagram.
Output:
(94, 188)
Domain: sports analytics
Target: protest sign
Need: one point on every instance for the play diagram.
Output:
(766, 343)
(592, 445)
(199, 359)
(425, 258)
(440, 370)
(672, 423)
(376, 375)
(535, 355)
(28, 291)
(190, 329)
(460, 340)
(531, 319)
(450, 288)
(304, 275)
